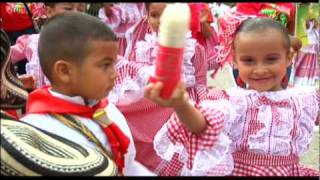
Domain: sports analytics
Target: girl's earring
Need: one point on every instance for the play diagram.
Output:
(285, 81)
(240, 82)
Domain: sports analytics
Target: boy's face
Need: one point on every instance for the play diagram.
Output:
(95, 77)
(63, 7)
(154, 14)
(262, 59)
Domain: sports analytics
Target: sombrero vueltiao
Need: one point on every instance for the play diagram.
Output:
(28, 151)
(13, 95)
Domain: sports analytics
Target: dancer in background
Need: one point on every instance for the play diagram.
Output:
(306, 65)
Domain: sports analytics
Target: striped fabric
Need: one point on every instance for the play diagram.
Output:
(250, 164)
(307, 66)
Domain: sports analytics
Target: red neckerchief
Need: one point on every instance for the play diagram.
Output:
(41, 101)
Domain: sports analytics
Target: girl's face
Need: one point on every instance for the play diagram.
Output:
(154, 13)
(262, 59)
(63, 7)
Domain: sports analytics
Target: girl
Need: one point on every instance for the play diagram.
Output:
(26, 45)
(201, 30)
(145, 117)
(282, 12)
(270, 127)
(120, 17)
(307, 70)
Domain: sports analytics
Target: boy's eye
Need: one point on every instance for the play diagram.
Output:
(105, 65)
(154, 15)
(68, 8)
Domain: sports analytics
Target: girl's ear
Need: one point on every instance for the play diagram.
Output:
(63, 71)
(290, 57)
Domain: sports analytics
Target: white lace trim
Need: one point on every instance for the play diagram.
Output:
(303, 98)
(204, 161)
(131, 89)
(33, 65)
(105, 19)
(133, 12)
(273, 95)
(223, 105)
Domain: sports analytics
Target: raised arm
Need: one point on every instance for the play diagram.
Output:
(188, 114)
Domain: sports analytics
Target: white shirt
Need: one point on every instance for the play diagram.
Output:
(52, 125)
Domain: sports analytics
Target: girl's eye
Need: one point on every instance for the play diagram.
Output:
(247, 61)
(272, 59)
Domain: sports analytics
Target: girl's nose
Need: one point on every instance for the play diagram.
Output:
(260, 70)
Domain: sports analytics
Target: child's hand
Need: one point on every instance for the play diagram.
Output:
(204, 15)
(107, 9)
(28, 81)
(178, 98)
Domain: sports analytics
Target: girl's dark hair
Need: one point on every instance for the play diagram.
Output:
(261, 24)
(50, 4)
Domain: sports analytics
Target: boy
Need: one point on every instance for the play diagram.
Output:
(21, 156)
(26, 47)
(77, 53)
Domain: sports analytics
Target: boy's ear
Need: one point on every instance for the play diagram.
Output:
(63, 70)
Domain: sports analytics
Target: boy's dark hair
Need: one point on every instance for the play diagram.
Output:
(67, 36)
(260, 24)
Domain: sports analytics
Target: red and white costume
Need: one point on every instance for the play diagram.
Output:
(268, 131)
(306, 65)
(196, 31)
(272, 130)
(144, 117)
(44, 101)
(124, 16)
(207, 153)
(26, 47)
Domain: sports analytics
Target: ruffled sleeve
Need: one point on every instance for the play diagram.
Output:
(18, 51)
(204, 153)
(122, 18)
(211, 51)
(309, 102)
(130, 83)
